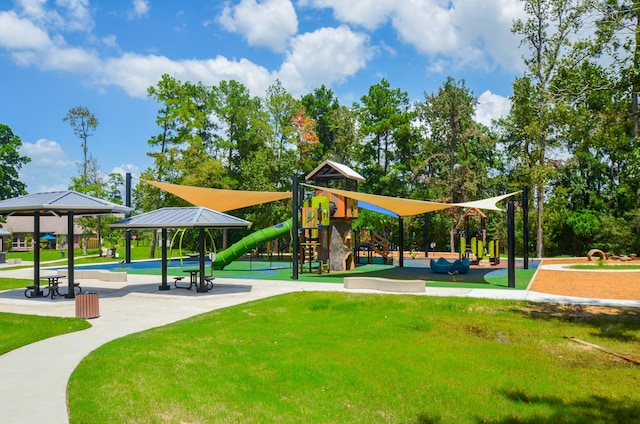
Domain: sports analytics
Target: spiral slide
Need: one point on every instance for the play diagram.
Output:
(250, 242)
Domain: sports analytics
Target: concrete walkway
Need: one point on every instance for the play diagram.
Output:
(33, 378)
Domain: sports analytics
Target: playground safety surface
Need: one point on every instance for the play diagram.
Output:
(599, 284)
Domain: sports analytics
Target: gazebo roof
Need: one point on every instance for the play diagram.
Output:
(182, 217)
(59, 203)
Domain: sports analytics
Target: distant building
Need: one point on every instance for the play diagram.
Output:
(20, 229)
(4, 236)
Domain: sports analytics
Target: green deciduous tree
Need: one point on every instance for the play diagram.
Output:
(383, 115)
(320, 105)
(546, 37)
(240, 124)
(343, 126)
(11, 162)
(457, 151)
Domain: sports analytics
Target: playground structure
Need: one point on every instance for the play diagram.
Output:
(370, 242)
(326, 233)
(333, 246)
(476, 248)
(443, 266)
(251, 242)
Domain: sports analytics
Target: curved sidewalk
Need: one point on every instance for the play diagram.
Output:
(35, 377)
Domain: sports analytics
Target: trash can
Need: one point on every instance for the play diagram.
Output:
(87, 305)
(3, 257)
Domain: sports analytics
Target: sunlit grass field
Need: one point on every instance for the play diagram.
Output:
(355, 358)
(20, 330)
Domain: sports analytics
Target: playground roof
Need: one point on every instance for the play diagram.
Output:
(218, 199)
(189, 217)
(330, 169)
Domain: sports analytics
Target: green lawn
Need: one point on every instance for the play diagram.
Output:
(15, 283)
(356, 358)
(19, 330)
(47, 255)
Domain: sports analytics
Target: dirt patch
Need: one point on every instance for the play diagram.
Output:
(618, 285)
(583, 312)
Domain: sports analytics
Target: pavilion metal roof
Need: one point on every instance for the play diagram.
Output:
(59, 203)
(182, 217)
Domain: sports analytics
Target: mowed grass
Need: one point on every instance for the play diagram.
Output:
(20, 330)
(357, 358)
(16, 283)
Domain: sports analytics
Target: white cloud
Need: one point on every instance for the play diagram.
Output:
(73, 60)
(31, 37)
(135, 73)
(426, 26)
(77, 16)
(490, 107)
(140, 9)
(49, 163)
(110, 41)
(468, 33)
(269, 23)
(44, 153)
(122, 169)
(325, 56)
(369, 14)
(70, 15)
(487, 27)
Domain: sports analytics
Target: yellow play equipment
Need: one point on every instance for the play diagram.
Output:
(474, 245)
(314, 235)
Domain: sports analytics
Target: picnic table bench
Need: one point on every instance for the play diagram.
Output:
(53, 287)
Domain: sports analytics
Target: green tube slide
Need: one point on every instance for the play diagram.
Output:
(250, 242)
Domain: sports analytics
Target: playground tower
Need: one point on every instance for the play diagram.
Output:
(335, 239)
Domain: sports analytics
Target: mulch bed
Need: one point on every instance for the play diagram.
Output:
(618, 285)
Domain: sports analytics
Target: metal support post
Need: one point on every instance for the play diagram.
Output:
(511, 245)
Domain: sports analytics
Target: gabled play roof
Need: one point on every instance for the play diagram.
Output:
(187, 217)
(332, 170)
(59, 203)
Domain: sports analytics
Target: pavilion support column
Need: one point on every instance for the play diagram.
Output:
(202, 288)
(36, 254)
(525, 225)
(127, 233)
(71, 294)
(511, 245)
(295, 241)
(426, 235)
(401, 242)
(164, 285)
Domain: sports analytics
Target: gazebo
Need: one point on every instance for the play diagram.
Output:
(57, 203)
(182, 217)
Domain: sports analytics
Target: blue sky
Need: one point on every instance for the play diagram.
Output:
(58, 54)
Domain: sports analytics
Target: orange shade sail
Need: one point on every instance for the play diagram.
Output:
(219, 199)
(227, 200)
(411, 207)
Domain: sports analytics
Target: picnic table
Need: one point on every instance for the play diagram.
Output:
(193, 279)
(53, 287)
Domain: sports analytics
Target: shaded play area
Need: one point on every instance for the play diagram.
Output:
(264, 269)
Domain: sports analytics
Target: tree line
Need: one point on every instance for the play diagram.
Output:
(571, 136)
